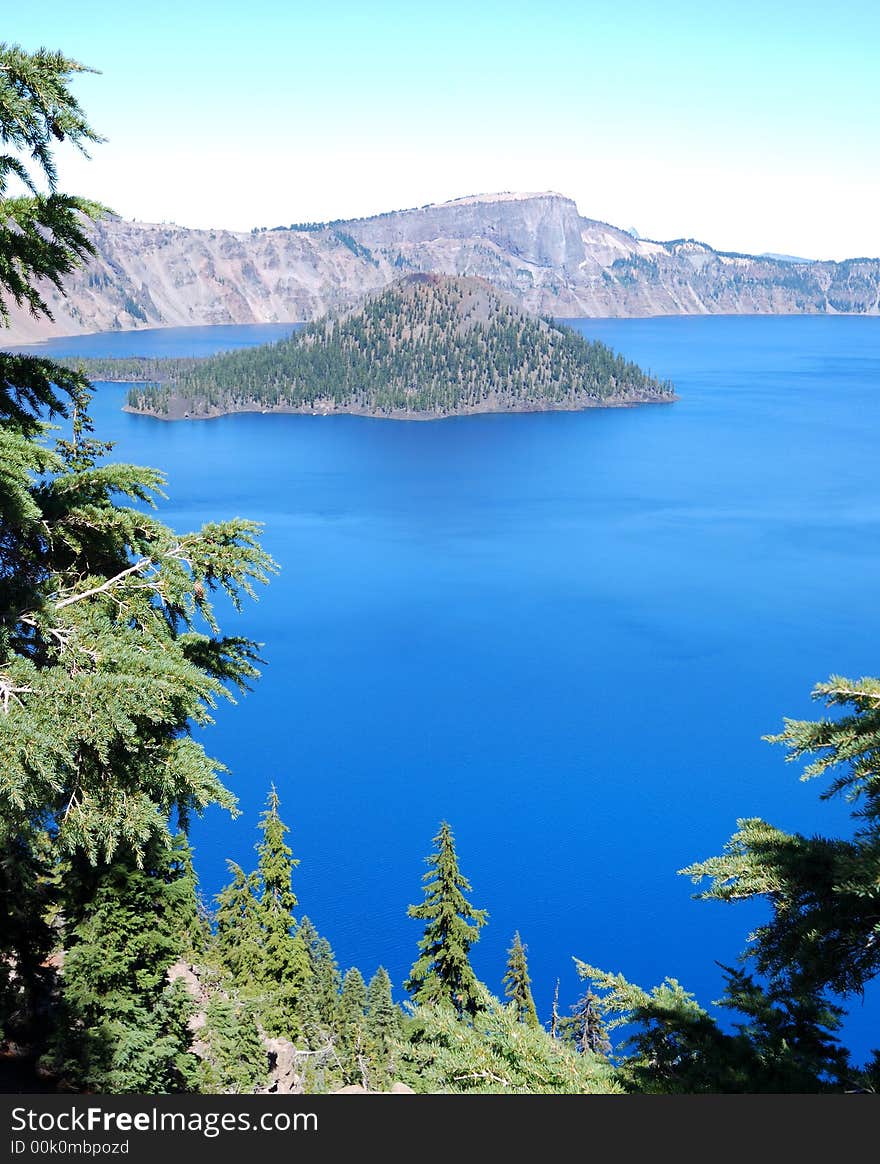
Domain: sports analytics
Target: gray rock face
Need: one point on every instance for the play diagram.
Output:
(535, 247)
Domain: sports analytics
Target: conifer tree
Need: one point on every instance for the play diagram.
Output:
(121, 1026)
(442, 972)
(232, 1056)
(109, 651)
(276, 865)
(584, 1028)
(256, 934)
(518, 984)
(277, 899)
(43, 232)
(351, 1028)
(782, 1043)
(384, 1029)
(316, 999)
(239, 933)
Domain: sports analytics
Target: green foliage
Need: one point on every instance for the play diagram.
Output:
(442, 972)
(104, 665)
(820, 939)
(383, 1032)
(277, 899)
(351, 1028)
(518, 984)
(317, 999)
(232, 1056)
(584, 1029)
(824, 893)
(110, 653)
(428, 345)
(121, 1026)
(784, 1043)
(239, 929)
(26, 937)
(675, 1045)
(109, 648)
(287, 970)
(42, 231)
(255, 928)
(495, 1054)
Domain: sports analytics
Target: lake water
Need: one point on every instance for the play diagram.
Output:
(565, 633)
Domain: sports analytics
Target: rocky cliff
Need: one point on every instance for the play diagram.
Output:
(535, 247)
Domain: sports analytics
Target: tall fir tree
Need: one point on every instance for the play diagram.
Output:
(275, 867)
(518, 984)
(239, 932)
(384, 1030)
(351, 1028)
(256, 930)
(442, 972)
(275, 968)
(316, 1000)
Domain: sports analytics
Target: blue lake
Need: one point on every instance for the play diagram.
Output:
(566, 633)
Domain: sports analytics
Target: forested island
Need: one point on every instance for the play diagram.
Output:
(427, 347)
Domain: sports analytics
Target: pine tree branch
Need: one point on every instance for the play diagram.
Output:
(9, 691)
(141, 564)
(105, 586)
(852, 693)
(490, 1076)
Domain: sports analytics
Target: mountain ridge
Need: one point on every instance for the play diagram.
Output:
(535, 247)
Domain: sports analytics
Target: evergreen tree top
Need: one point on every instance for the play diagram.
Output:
(443, 972)
(276, 859)
(42, 233)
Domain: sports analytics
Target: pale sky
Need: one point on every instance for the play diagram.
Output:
(752, 127)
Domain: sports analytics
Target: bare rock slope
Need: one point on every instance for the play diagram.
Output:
(535, 247)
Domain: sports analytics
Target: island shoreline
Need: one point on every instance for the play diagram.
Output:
(284, 410)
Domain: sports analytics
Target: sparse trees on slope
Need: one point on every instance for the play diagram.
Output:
(442, 972)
